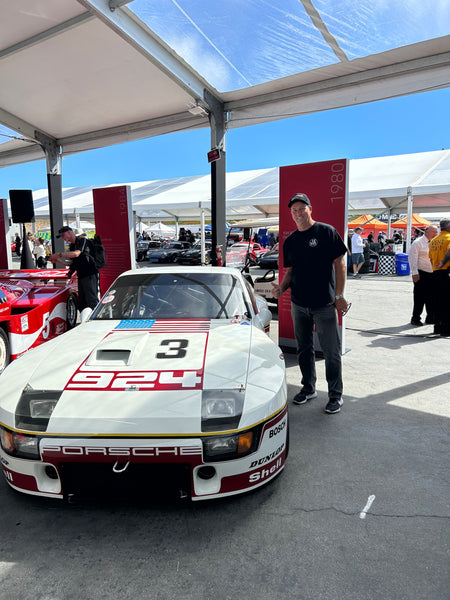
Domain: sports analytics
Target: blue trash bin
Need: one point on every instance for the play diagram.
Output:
(402, 264)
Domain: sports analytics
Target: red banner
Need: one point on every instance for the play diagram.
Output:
(325, 184)
(114, 224)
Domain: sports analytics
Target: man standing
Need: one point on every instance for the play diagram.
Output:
(314, 259)
(79, 257)
(439, 248)
(422, 276)
(357, 252)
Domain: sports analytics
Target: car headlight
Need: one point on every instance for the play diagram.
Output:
(227, 447)
(221, 409)
(18, 444)
(35, 407)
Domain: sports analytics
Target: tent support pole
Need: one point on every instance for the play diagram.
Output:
(409, 219)
(218, 171)
(54, 184)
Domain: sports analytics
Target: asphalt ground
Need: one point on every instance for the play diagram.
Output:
(361, 510)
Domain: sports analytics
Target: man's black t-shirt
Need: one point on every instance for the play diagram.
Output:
(83, 265)
(311, 255)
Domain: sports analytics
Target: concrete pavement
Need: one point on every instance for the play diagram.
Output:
(361, 511)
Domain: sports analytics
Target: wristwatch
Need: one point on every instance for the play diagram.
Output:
(339, 296)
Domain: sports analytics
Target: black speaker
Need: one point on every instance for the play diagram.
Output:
(22, 209)
(246, 233)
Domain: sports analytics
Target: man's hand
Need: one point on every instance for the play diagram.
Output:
(276, 290)
(341, 305)
(416, 278)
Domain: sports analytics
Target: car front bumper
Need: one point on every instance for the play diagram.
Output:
(70, 467)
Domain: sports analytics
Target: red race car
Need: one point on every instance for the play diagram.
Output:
(242, 252)
(35, 306)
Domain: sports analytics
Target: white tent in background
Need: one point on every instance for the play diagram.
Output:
(85, 225)
(160, 229)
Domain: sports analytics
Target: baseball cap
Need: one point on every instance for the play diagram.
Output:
(63, 230)
(299, 198)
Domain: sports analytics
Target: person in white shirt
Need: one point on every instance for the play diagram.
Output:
(40, 254)
(422, 275)
(357, 252)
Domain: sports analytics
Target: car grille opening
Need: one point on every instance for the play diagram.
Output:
(135, 482)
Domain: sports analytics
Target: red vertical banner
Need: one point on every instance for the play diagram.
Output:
(5, 242)
(326, 185)
(114, 224)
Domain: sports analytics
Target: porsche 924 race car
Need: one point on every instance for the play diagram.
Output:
(36, 305)
(171, 383)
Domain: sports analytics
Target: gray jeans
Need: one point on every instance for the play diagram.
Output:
(325, 320)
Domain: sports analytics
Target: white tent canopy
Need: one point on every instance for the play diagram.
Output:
(163, 68)
(376, 185)
(85, 225)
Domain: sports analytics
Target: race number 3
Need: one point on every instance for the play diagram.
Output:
(176, 349)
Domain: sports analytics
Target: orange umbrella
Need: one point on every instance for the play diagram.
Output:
(416, 221)
(367, 222)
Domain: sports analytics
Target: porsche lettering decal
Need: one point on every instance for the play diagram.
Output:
(61, 451)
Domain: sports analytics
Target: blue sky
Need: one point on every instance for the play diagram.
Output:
(416, 123)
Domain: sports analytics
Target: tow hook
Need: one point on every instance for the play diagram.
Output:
(117, 468)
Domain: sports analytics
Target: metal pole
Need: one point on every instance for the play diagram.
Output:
(409, 219)
(202, 236)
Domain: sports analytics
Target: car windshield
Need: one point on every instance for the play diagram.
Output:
(173, 296)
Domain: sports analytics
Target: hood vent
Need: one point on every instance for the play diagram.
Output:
(110, 357)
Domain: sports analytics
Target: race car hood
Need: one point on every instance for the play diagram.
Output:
(146, 377)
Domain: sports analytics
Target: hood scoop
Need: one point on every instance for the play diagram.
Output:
(118, 350)
(110, 357)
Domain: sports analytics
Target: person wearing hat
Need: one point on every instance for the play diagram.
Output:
(79, 260)
(439, 249)
(314, 259)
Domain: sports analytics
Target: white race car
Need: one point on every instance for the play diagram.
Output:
(171, 384)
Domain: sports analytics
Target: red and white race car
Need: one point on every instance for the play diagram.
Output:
(241, 253)
(171, 385)
(36, 305)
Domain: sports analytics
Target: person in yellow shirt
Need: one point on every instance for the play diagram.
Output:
(438, 250)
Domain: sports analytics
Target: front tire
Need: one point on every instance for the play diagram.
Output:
(5, 352)
(71, 312)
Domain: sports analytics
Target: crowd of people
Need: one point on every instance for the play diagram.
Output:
(39, 248)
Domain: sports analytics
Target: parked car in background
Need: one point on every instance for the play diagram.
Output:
(168, 252)
(269, 260)
(143, 246)
(171, 385)
(193, 255)
(35, 306)
(254, 247)
(241, 254)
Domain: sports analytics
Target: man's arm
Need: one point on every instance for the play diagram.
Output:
(340, 270)
(65, 258)
(445, 260)
(413, 259)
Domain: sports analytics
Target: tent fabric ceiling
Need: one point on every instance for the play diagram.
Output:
(375, 185)
(91, 73)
